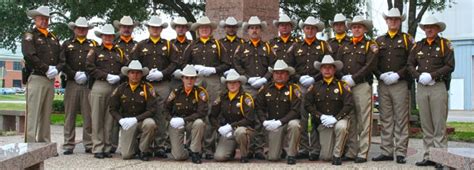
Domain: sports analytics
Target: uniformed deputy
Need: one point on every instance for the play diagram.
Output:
(340, 36)
(103, 65)
(181, 26)
(330, 100)
(231, 41)
(283, 42)
(132, 104)
(359, 58)
(76, 97)
(303, 54)
(41, 50)
(431, 62)
(210, 59)
(160, 56)
(393, 88)
(278, 106)
(187, 107)
(233, 112)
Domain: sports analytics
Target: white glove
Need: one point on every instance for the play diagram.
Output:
(253, 79)
(323, 118)
(308, 81)
(154, 75)
(112, 79)
(176, 73)
(207, 71)
(432, 82)
(52, 72)
(425, 78)
(257, 84)
(224, 130)
(177, 122)
(348, 79)
(330, 121)
(303, 78)
(267, 122)
(122, 123)
(131, 121)
(275, 124)
(229, 135)
(80, 77)
(228, 71)
(393, 78)
(199, 67)
(383, 76)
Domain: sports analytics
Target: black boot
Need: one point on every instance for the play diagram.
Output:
(313, 157)
(99, 155)
(336, 161)
(196, 157)
(68, 152)
(244, 159)
(401, 160)
(360, 160)
(291, 160)
(382, 158)
(161, 153)
(302, 155)
(259, 156)
(208, 156)
(145, 156)
(425, 162)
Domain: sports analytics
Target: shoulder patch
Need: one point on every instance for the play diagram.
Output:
(91, 51)
(310, 87)
(449, 44)
(249, 100)
(171, 96)
(297, 90)
(374, 47)
(346, 86)
(115, 91)
(217, 101)
(203, 94)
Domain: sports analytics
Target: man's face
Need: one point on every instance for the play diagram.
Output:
(281, 76)
(393, 23)
(155, 31)
(126, 30)
(431, 31)
(135, 76)
(254, 31)
(328, 70)
(233, 86)
(231, 30)
(181, 30)
(107, 39)
(285, 28)
(81, 31)
(339, 27)
(358, 30)
(41, 22)
(310, 31)
(205, 31)
(188, 82)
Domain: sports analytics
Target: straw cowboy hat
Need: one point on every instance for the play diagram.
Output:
(80, 22)
(180, 21)
(188, 71)
(281, 65)
(360, 20)
(134, 65)
(311, 21)
(254, 20)
(431, 20)
(394, 13)
(127, 21)
(327, 59)
(42, 10)
(230, 21)
(203, 21)
(233, 76)
(338, 18)
(284, 19)
(156, 21)
(107, 29)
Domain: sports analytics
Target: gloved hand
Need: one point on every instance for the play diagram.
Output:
(274, 125)
(112, 79)
(177, 122)
(323, 118)
(207, 71)
(229, 135)
(348, 79)
(330, 121)
(252, 80)
(154, 75)
(199, 67)
(259, 83)
(392, 78)
(306, 80)
(223, 130)
(266, 123)
(123, 123)
(131, 121)
(176, 73)
(425, 78)
(228, 71)
(80, 77)
(52, 72)
(384, 76)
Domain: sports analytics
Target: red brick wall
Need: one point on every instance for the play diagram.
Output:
(11, 74)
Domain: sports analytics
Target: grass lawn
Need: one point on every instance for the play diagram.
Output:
(12, 106)
(464, 131)
(21, 97)
(58, 119)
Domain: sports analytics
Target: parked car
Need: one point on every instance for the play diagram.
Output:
(19, 90)
(6, 91)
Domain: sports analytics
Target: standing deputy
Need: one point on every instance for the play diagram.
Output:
(231, 41)
(283, 42)
(340, 35)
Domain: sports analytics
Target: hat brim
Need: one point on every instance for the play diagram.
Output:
(72, 25)
(34, 13)
(99, 34)
(338, 64)
(290, 70)
(173, 24)
(222, 24)
(197, 25)
(163, 25)
(263, 25)
(403, 17)
(241, 79)
(292, 22)
(318, 25)
(126, 69)
(366, 23)
(117, 24)
(441, 25)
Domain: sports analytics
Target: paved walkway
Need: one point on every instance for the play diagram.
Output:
(460, 116)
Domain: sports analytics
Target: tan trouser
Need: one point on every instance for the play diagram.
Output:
(290, 132)
(76, 100)
(128, 138)
(360, 139)
(40, 95)
(214, 87)
(196, 129)
(226, 146)
(309, 143)
(433, 104)
(162, 89)
(333, 139)
(101, 118)
(394, 109)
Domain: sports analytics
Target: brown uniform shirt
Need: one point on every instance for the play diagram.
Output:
(189, 107)
(333, 99)
(163, 56)
(436, 59)
(74, 56)
(335, 44)
(359, 60)
(181, 47)
(40, 51)
(230, 46)
(102, 61)
(393, 54)
(280, 48)
(209, 54)
(254, 61)
(279, 104)
(237, 112)
(303, 56)
(127, 103)
(126, 47)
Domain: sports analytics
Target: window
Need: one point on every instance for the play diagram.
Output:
(2, 63)
(16, 83)
(17, 65)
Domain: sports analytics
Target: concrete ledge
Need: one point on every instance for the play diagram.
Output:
(26, 155)
(12, 120)
(459, 158)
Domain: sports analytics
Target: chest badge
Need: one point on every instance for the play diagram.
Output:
(213, 46)
(437, 48)
(363, 46)
(237, 105)
(318, 47)
(142, 93)
(399, 41)
(144, 50)
(264, 48)
(275, 46)
(164, 48)
(123, 97)
(336, 91)
(268, 94)
(70, 46)
(287, 93)
(91, 45)
(246, 51)
(299, 51)
(101, 56)
(420, 53)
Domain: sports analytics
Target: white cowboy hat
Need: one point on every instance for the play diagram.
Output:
(203, 21)
(188, 71)
(80, 22)
(254, 20)
(394, 13)
(431, 20)
(107, 29)
(42, 10)
(180, 21)
(284, 19)
(327, 59)
(156, 21)
(230, 21)
(338, 18)
(281, 65)
(234, 76)
(360, 20)
(311, 21)
(127, 21)
(134, 65)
